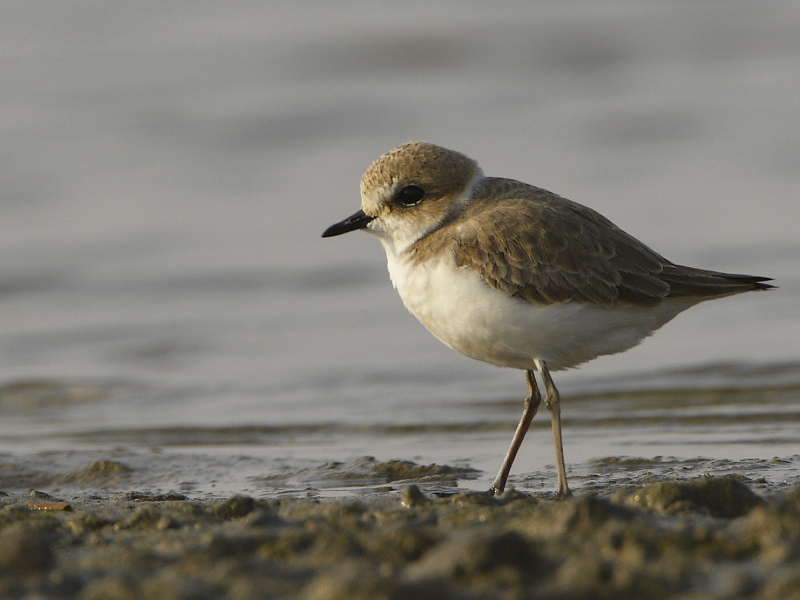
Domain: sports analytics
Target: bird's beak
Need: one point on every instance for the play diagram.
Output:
(351, 223)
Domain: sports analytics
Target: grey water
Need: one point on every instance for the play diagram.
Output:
(166, 170)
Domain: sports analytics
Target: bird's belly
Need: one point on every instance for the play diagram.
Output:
(471, 317)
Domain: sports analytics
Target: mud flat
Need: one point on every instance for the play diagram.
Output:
(711, 537)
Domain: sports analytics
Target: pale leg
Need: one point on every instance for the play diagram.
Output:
(532, 402)
(552, 401)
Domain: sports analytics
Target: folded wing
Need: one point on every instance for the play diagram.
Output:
(545, 249)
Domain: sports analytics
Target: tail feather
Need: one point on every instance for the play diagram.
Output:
(688, 281)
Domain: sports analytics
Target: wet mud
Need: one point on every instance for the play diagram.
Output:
(708, 537)
(255, 512)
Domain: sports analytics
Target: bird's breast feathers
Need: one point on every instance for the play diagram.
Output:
(458, 307)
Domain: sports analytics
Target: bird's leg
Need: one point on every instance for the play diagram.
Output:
(552, 400)
(532, 402)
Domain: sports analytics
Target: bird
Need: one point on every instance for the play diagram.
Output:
(514, 275)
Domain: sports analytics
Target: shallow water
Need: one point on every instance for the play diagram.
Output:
(165, 297)
(611, 439)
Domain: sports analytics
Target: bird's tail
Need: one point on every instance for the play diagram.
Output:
(691, 282)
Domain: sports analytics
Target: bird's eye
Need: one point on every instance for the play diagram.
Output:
(411, 195)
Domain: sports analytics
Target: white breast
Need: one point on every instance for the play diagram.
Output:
(465, 313)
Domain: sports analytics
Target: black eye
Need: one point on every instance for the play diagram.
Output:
(411, 195)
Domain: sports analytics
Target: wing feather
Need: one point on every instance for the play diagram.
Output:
(532, 244)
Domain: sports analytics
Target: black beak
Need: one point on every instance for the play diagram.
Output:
(351, 223)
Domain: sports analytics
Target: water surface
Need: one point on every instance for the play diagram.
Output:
(167, 170)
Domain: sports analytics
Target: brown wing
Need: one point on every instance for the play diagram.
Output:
(545, 249)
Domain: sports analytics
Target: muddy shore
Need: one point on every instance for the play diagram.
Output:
(709, 537)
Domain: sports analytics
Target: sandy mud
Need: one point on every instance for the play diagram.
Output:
(709, 537)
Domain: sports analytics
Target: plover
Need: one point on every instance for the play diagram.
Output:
(517, 276)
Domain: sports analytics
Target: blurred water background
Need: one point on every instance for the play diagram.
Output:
(166, 169)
